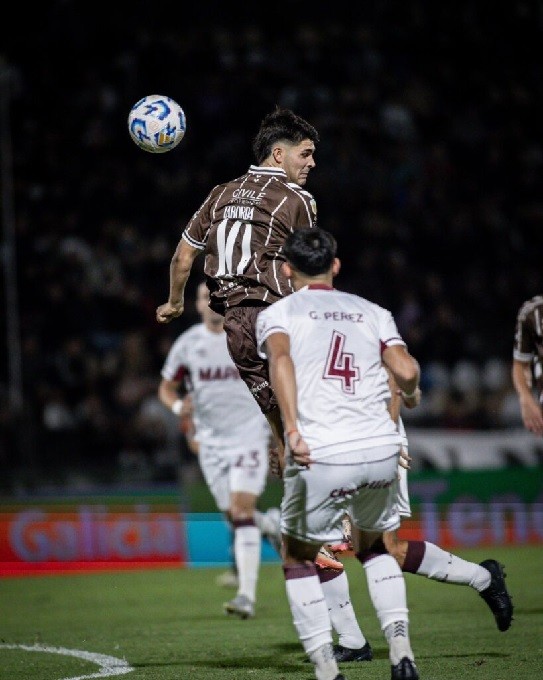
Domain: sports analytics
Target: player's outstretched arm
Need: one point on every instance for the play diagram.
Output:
(180, 268)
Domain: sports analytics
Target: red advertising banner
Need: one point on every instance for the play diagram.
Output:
(95, 537)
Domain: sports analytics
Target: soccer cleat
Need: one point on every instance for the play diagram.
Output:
(228, 579)
(340, 677)
(241, 606)
(496, 595)
(405, 670)
(326, 560)
(345, 654)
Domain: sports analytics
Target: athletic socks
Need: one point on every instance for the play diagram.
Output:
(308, 606)
(335, 587)
(397, 635)
(386, 587)
(432, 561)
(247, 547)
(325, 664)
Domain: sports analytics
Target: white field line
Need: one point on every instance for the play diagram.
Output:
(109, 665)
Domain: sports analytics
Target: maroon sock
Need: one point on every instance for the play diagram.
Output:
(414, 555)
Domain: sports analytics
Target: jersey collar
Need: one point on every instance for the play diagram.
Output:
(318, 286)
(268, 171)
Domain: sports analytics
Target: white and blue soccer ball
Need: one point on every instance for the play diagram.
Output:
(157, 124)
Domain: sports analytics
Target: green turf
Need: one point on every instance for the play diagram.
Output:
(168, 625)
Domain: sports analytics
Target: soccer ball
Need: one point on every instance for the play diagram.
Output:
(157, 124)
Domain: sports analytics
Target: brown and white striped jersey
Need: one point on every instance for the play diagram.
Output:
(241, 227)
(528, 343)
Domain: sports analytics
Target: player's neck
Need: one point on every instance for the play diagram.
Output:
(324, 281)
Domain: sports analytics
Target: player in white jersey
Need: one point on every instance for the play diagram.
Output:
(325, 349)
(232, 437)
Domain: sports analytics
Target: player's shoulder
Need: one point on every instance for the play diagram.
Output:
(297, 189)
(301, 194)
(361, 301)
(274, 311)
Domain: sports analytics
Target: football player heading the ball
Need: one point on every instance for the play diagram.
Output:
(241, 227)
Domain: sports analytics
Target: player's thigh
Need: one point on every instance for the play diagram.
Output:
(374, 505)
(216, 471)
(315, 500)
(239, 325)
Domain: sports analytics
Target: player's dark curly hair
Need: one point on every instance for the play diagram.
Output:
(310, 251)
(281, 125)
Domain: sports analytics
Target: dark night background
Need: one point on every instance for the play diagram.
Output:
(429, 173)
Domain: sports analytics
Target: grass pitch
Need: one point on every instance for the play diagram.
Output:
(169, 624)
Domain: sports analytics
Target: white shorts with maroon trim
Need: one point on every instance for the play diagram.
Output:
(362, 483)
(226, 471)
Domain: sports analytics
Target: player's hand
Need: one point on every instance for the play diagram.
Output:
(299, 450)
(532, 416)
(411, 400)
(405, 459)
(166, 312)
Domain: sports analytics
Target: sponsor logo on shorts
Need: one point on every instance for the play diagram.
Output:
(377, 484)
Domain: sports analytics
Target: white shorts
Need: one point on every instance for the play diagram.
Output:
(363, 484)
(226, 471)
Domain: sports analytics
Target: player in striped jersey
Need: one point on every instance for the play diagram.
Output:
(240, 228)
(527, 368)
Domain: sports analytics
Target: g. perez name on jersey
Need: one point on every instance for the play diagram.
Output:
(336, 315)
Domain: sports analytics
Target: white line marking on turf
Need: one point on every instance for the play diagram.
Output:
(110, 665)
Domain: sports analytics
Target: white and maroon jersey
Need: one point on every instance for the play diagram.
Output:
(336, 342)
(242, 226)
(225, 412)
(528, 342)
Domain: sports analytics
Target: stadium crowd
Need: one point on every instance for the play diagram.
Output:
(428, 174)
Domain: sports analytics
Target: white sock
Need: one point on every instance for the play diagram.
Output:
(308, 607)
(325, 664)
(386, 587)
(440, 565)
(336, 593)
(247, 547)
(397, 635)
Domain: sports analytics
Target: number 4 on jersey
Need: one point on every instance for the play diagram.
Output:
(340, 365)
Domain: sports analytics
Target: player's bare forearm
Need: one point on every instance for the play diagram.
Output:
(283, 382)
(284, 385)
(180, 268)
(395, 403)
(406, 372)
